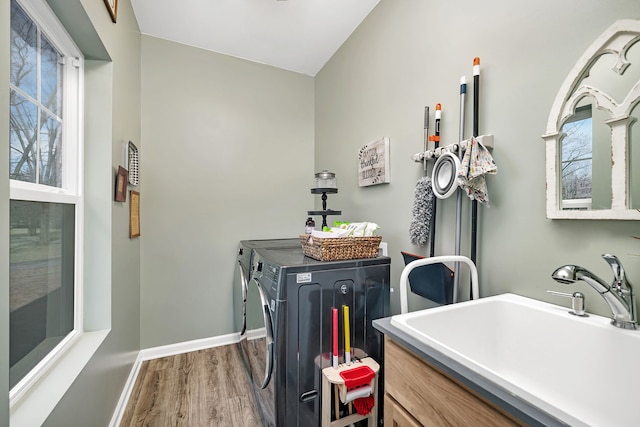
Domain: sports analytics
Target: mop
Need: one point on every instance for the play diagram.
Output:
(433, 281)
(422, 212)
(423, 200)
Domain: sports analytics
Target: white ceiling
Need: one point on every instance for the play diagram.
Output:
(295, 35)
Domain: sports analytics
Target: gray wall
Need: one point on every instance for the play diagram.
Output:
(408, 54)
(228, 155)
(92, 398)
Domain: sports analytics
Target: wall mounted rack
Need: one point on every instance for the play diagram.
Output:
(486, 140)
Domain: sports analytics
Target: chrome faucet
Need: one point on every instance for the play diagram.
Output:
(618, 295)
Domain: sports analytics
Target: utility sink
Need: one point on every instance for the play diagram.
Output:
(581, 370)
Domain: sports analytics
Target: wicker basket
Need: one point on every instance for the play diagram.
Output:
(338, 248)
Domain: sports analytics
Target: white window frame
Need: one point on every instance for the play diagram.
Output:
(72, 190)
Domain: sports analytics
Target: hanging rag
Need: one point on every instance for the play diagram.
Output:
(422, 212)
(364, 405)
(476, 163)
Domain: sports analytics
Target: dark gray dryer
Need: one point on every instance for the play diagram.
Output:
(242, 274)
(296, 294)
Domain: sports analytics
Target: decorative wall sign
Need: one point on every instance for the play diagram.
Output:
(134, 214)
(133, 163)
(112, 7)
(373, 163)
(121, 185)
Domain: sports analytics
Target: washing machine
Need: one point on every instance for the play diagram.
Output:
(295, 294)
(242, 274)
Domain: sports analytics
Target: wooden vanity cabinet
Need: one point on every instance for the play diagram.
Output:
(416, 394)
(396, 416)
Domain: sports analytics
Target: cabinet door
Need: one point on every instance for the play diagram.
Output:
(396, 416)
(433, 398)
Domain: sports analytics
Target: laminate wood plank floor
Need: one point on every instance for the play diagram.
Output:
(202, 388)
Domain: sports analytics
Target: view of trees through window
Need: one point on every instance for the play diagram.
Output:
(42, 226)
(36, 104)
(577, 156)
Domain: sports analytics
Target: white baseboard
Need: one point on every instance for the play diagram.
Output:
(116, 419)
(185, 347)
(164, 351)
(254, 334)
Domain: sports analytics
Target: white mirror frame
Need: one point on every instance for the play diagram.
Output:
(616, 40)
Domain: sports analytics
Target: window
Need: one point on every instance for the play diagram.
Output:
(45, 173)
(577, 160)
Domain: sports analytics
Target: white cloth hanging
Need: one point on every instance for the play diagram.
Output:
(476, 163)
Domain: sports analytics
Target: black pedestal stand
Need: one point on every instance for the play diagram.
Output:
(324, 212)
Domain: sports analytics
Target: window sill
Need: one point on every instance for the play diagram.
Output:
(37, 403)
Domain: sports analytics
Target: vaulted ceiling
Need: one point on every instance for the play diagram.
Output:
(295, 35)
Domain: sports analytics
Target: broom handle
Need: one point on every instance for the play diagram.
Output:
(426, 138)
(436, 143)
(456, 276)
(476, 120)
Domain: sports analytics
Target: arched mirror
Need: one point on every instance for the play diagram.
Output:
(593, 132)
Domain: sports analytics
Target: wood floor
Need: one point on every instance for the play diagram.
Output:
(202, 388)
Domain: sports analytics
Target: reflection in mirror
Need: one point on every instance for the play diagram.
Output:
(586, 146)
(617, 87)
(591, 150)
(634, 157)
(585, 156)
(601, 198)
(576, 159)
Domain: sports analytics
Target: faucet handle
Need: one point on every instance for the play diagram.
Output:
(618, 271)
(577, 302)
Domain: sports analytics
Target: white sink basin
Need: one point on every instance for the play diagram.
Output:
(584, 371)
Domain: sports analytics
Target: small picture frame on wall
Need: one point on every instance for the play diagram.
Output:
(112, 7)
(134, 214)
(121, 185)
(373, 163)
